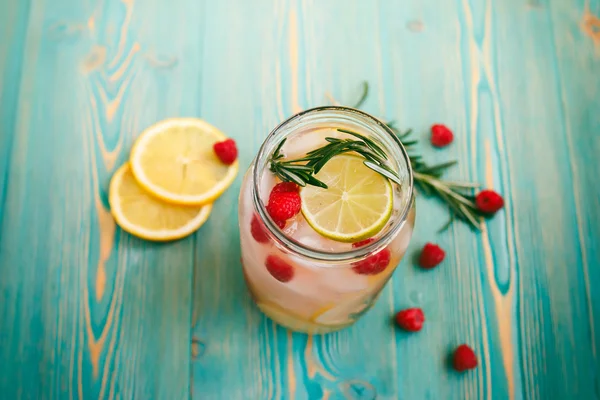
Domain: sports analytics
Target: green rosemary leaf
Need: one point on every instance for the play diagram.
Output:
(293, 177)
(447, 224)
(363, 97)
(369, 157)
(438, 167)
(326, 154)
(363, 149)
(465, 185)
(405, 134)
(311, 180)
(333, 140)
(276, 153)
(453, 205)
(321, 149)
(299, 167)
(367, 140)
(425, 187)
(383, 171)
(471, 218)
(410, 143)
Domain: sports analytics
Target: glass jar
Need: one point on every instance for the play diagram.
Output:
(326, 292)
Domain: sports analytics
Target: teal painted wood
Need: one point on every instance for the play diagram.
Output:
(90, 312)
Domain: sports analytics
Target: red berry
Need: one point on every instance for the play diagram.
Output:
(464, 358)
(226, 151)
(285, 187)
(373, 264)
(283, 206)
(410, 319)
(362, 243)
(431, 255)
(258, 230)
(441, 136)
(279, 269)
(489, 201)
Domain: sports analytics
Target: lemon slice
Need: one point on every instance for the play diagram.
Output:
(175, 161)
(293, 322)
(145, 216)
(357, 204)
(342, 314)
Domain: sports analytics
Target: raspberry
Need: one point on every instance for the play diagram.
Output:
(464, 358)
(431, 255)
(226, 151)
(257, 229)
(285, 187)
(410, 319)
(362, 243)
(373, 264)
(489, 201)
(283, 206)
(441, 135)
(279, 269)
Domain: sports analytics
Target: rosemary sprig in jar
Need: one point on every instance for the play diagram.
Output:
(302, 170)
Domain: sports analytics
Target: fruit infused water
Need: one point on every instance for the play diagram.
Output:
(326, 213)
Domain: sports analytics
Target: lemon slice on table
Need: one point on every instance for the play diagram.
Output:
(356, 205)
(175, 161)
(145, 216)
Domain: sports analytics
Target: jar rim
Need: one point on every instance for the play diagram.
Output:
(286, 243)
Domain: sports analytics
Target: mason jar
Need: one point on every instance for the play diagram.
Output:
(327, 288)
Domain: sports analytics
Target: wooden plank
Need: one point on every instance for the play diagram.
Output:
(577, 43)
(87, 310)
(553, 311)
(90, 312)
(13, 25)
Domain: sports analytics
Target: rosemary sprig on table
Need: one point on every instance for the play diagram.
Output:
(457, 195)
(302, 170)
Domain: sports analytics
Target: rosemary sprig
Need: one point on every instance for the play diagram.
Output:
(363, 96)
(458, 196)
(302, 170)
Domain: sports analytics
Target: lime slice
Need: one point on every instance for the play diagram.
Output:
(356, 205)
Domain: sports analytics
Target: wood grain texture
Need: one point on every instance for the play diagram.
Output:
(87, 311)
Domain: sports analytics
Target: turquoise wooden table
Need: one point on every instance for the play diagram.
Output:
(90, 312)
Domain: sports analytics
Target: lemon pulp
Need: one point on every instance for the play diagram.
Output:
(145, 216)
(175, 161)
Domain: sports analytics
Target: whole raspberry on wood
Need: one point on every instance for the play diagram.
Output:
(226, 151)
(441, 135)
(431, 256)
(464, 358)
(489, 201)
(410, 319)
